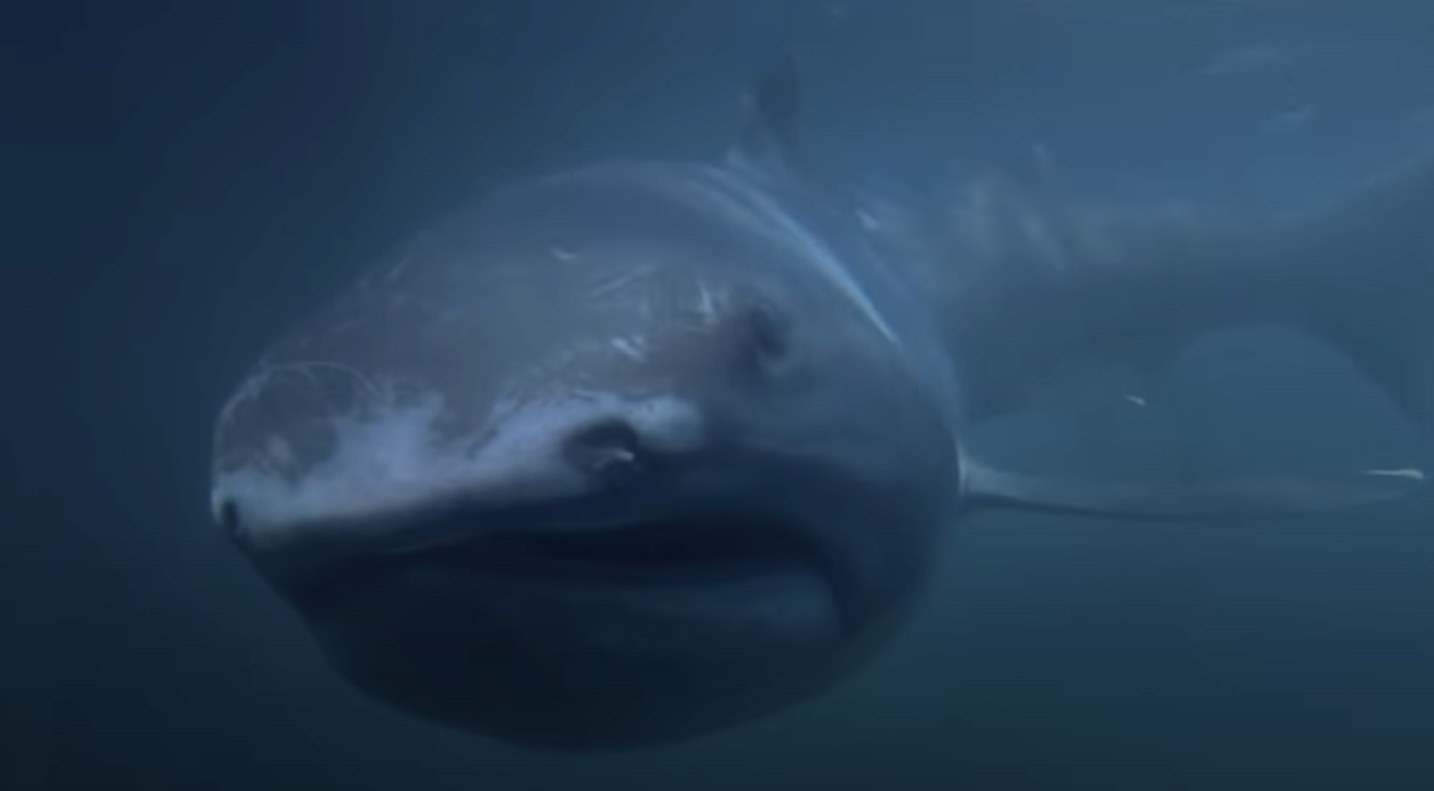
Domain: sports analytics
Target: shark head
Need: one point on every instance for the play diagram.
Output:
(605, 460)
(633, 453)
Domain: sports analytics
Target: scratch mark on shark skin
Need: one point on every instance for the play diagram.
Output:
(611, 286)
(633, 348)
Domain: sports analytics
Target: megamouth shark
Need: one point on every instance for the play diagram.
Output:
(645, 450)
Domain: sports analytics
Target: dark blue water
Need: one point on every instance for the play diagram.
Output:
(186, 178)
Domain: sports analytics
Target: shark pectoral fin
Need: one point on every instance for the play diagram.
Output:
(1237, 498)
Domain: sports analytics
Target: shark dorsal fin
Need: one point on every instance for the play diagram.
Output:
(767, 141)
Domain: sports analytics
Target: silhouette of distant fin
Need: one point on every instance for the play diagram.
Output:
(1237, 498)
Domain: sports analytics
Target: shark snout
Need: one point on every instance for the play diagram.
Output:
(624, 490)
(583, 446)
(388, 480)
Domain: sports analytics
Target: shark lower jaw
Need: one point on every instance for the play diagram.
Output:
(717, 552)
(586, 660)
(606, 638)
(653, 553)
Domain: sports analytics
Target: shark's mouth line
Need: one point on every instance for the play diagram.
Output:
(670, 551)
(654, 552)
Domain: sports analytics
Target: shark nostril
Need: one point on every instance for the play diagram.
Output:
(607, 448)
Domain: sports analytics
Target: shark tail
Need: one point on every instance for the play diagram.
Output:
(1371, 292)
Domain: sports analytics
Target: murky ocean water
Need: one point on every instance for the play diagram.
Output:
(191, 176)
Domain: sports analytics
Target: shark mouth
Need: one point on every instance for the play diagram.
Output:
(657, 552)
(678, 551)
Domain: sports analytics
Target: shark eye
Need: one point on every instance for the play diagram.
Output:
(770, 336)
(227, 515)
(766, 342)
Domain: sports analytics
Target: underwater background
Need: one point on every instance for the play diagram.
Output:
(186, 179)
